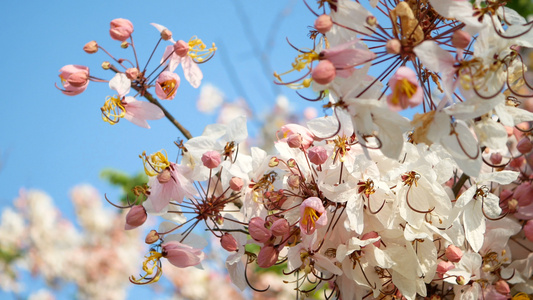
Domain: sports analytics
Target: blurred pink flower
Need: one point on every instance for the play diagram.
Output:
(182, 255)
(121, 29)
(74, 78)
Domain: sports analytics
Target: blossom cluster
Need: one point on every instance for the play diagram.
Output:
(365, 203)
(94, 254)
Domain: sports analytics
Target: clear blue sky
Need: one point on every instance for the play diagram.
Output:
(52, 142)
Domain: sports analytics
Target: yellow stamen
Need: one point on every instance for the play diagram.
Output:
(149, 265)
(301, 62)
(198, 50)
(169, 87)
(403, 87)
(521, 296)
(309, 218)
(155, 163)
(113, 110)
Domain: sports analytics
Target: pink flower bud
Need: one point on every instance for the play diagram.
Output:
(294, 140)
(371, 235)
(91, 47)
(267, 257)
(78, 79)
(236, 184)
(151, 237)
(393, 46)
(289, 129)
(211, 159)
(135, 217)
(496, 158)
(443, 267)
(324, 72)
(453, 253)
(502, 287)
(461, 39)
(323, 24)
(258, 231)
(181, 48)
(229, 243)
(132, 73)
(280, 227)
(166, 34)
(121, 29)
(528, 230)
(317, 155)
(164, 176)
(524, 146)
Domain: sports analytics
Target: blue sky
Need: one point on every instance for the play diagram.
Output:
(53, 142)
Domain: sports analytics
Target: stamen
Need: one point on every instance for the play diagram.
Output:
(113, 110)
(198, 50)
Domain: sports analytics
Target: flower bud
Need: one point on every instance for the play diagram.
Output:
(106, 65)
(291, 163)
(121, 29)
(393, 46)
(164, 176)
(371, 21)
(502, 287)
(228, 242)
(181, 48)
(460, 280)
(258, 231)
(453, 253)
(496, 158)
(91, 47)
(528, 230)
(318, 155)
(211, 159)
(78, 79)
(132, 73)
(294, 140)
(151, 237)
(461, 39)
(274, 162)
(323, 23)
(166, 34)
(280, 227)
(124, 45)
(443, 267)
(236, 184)
(524, 145)
(135, 217)
(267, 257)
(324, 72)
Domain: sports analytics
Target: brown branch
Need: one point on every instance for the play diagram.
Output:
(153, 100)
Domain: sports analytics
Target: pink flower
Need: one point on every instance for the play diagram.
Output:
(182, 255)
(312, 215)
(229, 243)
(121, 29)
(258, 231)
(267, 257)
(74, 78)
(166, 85)
(406, 92)
(169, 185)
(138, 112)
(453, 253)
(345, 57)
(324, 72)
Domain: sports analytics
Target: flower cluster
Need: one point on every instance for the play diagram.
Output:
(366, 203)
